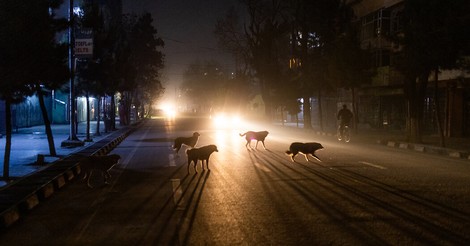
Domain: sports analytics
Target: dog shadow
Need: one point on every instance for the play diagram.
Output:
(308, 160)
(252, 149)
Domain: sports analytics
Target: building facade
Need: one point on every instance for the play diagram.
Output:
(383, 104)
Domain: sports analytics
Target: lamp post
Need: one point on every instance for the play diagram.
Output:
(72, 141)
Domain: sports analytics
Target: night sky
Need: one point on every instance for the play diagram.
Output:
(187, 28)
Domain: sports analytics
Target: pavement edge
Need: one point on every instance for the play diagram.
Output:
(23, 195)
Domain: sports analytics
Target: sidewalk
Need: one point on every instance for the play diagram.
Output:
(27, 143)
(17, 198)
(455, 147)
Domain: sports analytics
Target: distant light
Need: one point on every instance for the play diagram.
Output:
(227, 121)
(168, 109)
(83, 99)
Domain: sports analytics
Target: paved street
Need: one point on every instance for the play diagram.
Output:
(27, 143)
(359, 194)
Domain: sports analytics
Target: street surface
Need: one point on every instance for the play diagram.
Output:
(358, 195)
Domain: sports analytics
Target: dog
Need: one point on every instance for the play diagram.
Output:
(189, 141)
(258, 136)
(203, 153)
(304, 148)
(100, 163)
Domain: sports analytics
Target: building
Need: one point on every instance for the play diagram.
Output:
(382, 104)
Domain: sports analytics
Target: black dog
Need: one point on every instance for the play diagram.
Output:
(189, 141)
(100, 163)
(304, 148)
(258, 136)
(203, 153)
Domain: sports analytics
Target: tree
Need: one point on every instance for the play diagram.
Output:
(349, 65)
(260, 44)
(316, 28)
(92, 71)
(26, 66)
(279, 31)
(267, 42)
(147, 60)
(230, 36)
(204, 85)
(51, 74)
(50, 70)
(126, 59)
(136, 63)
(233, 39)
(433, 38)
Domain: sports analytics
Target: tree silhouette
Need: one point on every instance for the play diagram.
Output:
(349, 65)
(97, 73)
(434, 37)
(204, 85)
(279, 31)
(29, 57)
(146, 61)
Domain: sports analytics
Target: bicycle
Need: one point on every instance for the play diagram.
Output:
(346, 136)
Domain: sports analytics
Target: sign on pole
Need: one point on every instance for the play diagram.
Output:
(84, 43)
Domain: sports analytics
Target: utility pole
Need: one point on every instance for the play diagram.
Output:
(72, 141)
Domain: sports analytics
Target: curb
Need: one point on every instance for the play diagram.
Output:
(23, 195)
(459, 154)
(452, 153)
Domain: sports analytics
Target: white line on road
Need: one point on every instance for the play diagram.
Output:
(372, 165)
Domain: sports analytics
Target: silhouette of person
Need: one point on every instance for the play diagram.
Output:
(344, 116)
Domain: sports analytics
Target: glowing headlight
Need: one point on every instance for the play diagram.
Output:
(226, 121)
(168, 110)
(170, 113)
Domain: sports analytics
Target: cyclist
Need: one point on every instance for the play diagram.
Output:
(344, 116)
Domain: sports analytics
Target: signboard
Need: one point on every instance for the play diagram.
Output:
(83, 43)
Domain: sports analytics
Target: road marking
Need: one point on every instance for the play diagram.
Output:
(262, 167)
(177, 193)
(372, 165)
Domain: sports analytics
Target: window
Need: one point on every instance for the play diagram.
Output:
(396, 22)
(376, 24)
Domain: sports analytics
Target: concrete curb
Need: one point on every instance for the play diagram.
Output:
(460, 154)
(21, 196)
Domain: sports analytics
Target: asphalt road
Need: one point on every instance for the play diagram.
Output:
(357, 195)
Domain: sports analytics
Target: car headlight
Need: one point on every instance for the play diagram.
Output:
(226, 121)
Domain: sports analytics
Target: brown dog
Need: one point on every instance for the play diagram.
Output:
(258, 136)
(304, 148)
(189, 141)
(100, 163)
(203, 153)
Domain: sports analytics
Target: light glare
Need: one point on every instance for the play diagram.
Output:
(168, 110)
(227, 121)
